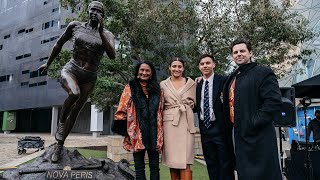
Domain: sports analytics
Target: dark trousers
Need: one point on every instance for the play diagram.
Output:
(139, 164)
(216, 154)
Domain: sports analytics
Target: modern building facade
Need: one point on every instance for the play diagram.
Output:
(310, 9)
(28, 30)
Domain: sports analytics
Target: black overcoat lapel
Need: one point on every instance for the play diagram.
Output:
(215, 90)
(198, 95)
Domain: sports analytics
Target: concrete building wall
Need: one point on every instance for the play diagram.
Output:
(28, 30)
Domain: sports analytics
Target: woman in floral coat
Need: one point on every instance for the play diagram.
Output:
(139, 119)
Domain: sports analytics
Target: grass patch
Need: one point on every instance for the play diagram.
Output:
(199, 171)
(87, 153)
(27, 162)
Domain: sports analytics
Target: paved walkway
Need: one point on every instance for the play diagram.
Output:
(9, 144)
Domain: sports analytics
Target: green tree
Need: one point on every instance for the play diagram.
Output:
(157, 30)
(145, 30)
(273, 29)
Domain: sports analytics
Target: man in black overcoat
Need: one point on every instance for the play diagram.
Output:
(252, 101)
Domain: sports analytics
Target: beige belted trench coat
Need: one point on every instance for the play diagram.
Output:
(178, 124)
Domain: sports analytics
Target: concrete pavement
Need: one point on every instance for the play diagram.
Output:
(9, 142)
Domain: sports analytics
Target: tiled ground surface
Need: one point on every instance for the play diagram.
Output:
(9, 144)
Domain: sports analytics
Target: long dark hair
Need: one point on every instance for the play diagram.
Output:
(153, 81)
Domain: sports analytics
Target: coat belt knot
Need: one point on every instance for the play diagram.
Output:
(183, 108)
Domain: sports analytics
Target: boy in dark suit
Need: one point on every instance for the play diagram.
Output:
(217, 153)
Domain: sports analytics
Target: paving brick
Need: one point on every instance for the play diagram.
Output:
(9, 144)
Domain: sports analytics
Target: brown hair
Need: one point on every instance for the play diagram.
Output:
(176, 59)
(240, 41)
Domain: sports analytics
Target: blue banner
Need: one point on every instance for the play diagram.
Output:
(298, 133)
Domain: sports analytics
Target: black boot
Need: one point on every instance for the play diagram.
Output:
(59, 132)
(57, 153)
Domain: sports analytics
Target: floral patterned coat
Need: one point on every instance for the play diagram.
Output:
(127, 112)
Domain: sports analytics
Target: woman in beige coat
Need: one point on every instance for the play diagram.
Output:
(178, 121)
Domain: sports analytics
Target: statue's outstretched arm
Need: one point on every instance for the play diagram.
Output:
(66, 35)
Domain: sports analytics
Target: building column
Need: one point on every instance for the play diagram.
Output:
(96, 122)
(54, 120)
(9, 121)
(4, 119)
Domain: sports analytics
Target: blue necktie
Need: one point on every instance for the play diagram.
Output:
(206, 108)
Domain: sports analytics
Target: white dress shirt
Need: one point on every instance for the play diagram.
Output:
(210, 80)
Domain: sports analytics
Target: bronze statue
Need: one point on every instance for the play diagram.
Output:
(78, 76)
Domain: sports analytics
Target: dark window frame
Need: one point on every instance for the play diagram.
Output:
(42, 74)
(29, 30)
(19, 57)
(21, 31)
(26, 83)
(3, 78)
(44, 58)
(6, 36)
(25, 71)
(63, 26)
(55, 9)
(26, 55)
(54, 38)
(42, 83)
(33, 84)
(34, 74)
(46, 25)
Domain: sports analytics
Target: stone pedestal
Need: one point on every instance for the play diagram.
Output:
(70, 163)
(115, 149)
(197, 145)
